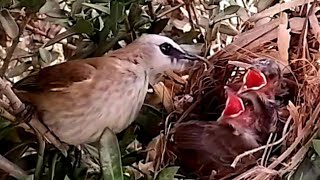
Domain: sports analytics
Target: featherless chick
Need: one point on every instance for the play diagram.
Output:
(244, 124)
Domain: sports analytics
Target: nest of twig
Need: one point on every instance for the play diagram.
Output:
(292, 39)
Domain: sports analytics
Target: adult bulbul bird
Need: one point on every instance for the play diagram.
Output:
(78, 99)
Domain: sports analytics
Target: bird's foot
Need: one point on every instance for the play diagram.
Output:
(26, 114)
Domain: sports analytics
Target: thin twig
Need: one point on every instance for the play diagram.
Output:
(11, 168)
(18, 107)
(38, 31)
(169, 10)
(237, 159)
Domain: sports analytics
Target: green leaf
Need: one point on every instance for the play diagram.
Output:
(18, 70)
(134, 14)
(50, 6)
(225, 14)
(262, 4)
(309, 169)
(116, 14)
(316, 145)
(5, 3)
(110, 157)
(39, 167)
(32, 5)
(83, 26)
(9, 24)
(98, 7)
(231, 9)
(168, 173)
(61, 36)
(158, 26)
(127, 138)
(228, 29)
(76, 7)
(29, 177)
(45, 55)
(5, 128)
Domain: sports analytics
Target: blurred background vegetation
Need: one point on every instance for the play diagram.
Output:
(38, 33)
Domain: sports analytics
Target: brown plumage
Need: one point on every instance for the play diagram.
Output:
(78, 99)
(207, 149)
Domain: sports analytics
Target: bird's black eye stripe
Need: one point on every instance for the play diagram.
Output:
(167, 49)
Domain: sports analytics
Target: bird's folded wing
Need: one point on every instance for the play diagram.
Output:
(218, 141)
(192, 134)
(57, 76)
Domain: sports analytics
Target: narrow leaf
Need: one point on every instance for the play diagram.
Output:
(168, 173)
(76, 7)
(283, 39)
(110, 157)
(98, 7)
(83, 26)
(21, 68)
(45, 55)
(61, 36)
(50, 6)
(9, 24)
(316, 145)
(231, 9)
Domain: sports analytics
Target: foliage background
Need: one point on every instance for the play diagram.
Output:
(38, 33)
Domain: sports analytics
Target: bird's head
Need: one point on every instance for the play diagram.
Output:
(165, 54)
(234, 105)
(263, 76)
(236, 113)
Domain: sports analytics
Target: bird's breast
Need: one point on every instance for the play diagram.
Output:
(88, 109)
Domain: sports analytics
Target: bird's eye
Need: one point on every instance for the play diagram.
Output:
(166, 48)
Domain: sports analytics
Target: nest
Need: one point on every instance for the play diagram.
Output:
(292, 39)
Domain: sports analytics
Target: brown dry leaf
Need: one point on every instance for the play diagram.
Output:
(278, 8)
(183, 25)
(243, 14)
(283, 39)
(315, 28)
(294, 113)
(153, 148)
(263, 21)
(155, 151)
(296, 24)
(9, 24)
(161, 90)
(262, 5)
(176, 77)
(248, 37)
(227, 28)
(271, 35)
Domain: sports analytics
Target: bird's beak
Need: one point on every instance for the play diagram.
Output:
(234, 104)
(189, 56)
(253, 80)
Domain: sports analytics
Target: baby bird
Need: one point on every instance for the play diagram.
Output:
(207, 149)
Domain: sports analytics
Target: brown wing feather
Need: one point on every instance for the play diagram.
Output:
(202, 147)
(57, 76)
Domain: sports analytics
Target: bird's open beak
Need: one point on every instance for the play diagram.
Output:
(253, 80)
(234, 104)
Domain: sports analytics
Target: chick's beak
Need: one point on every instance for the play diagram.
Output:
(253, 80)
(234, 104)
